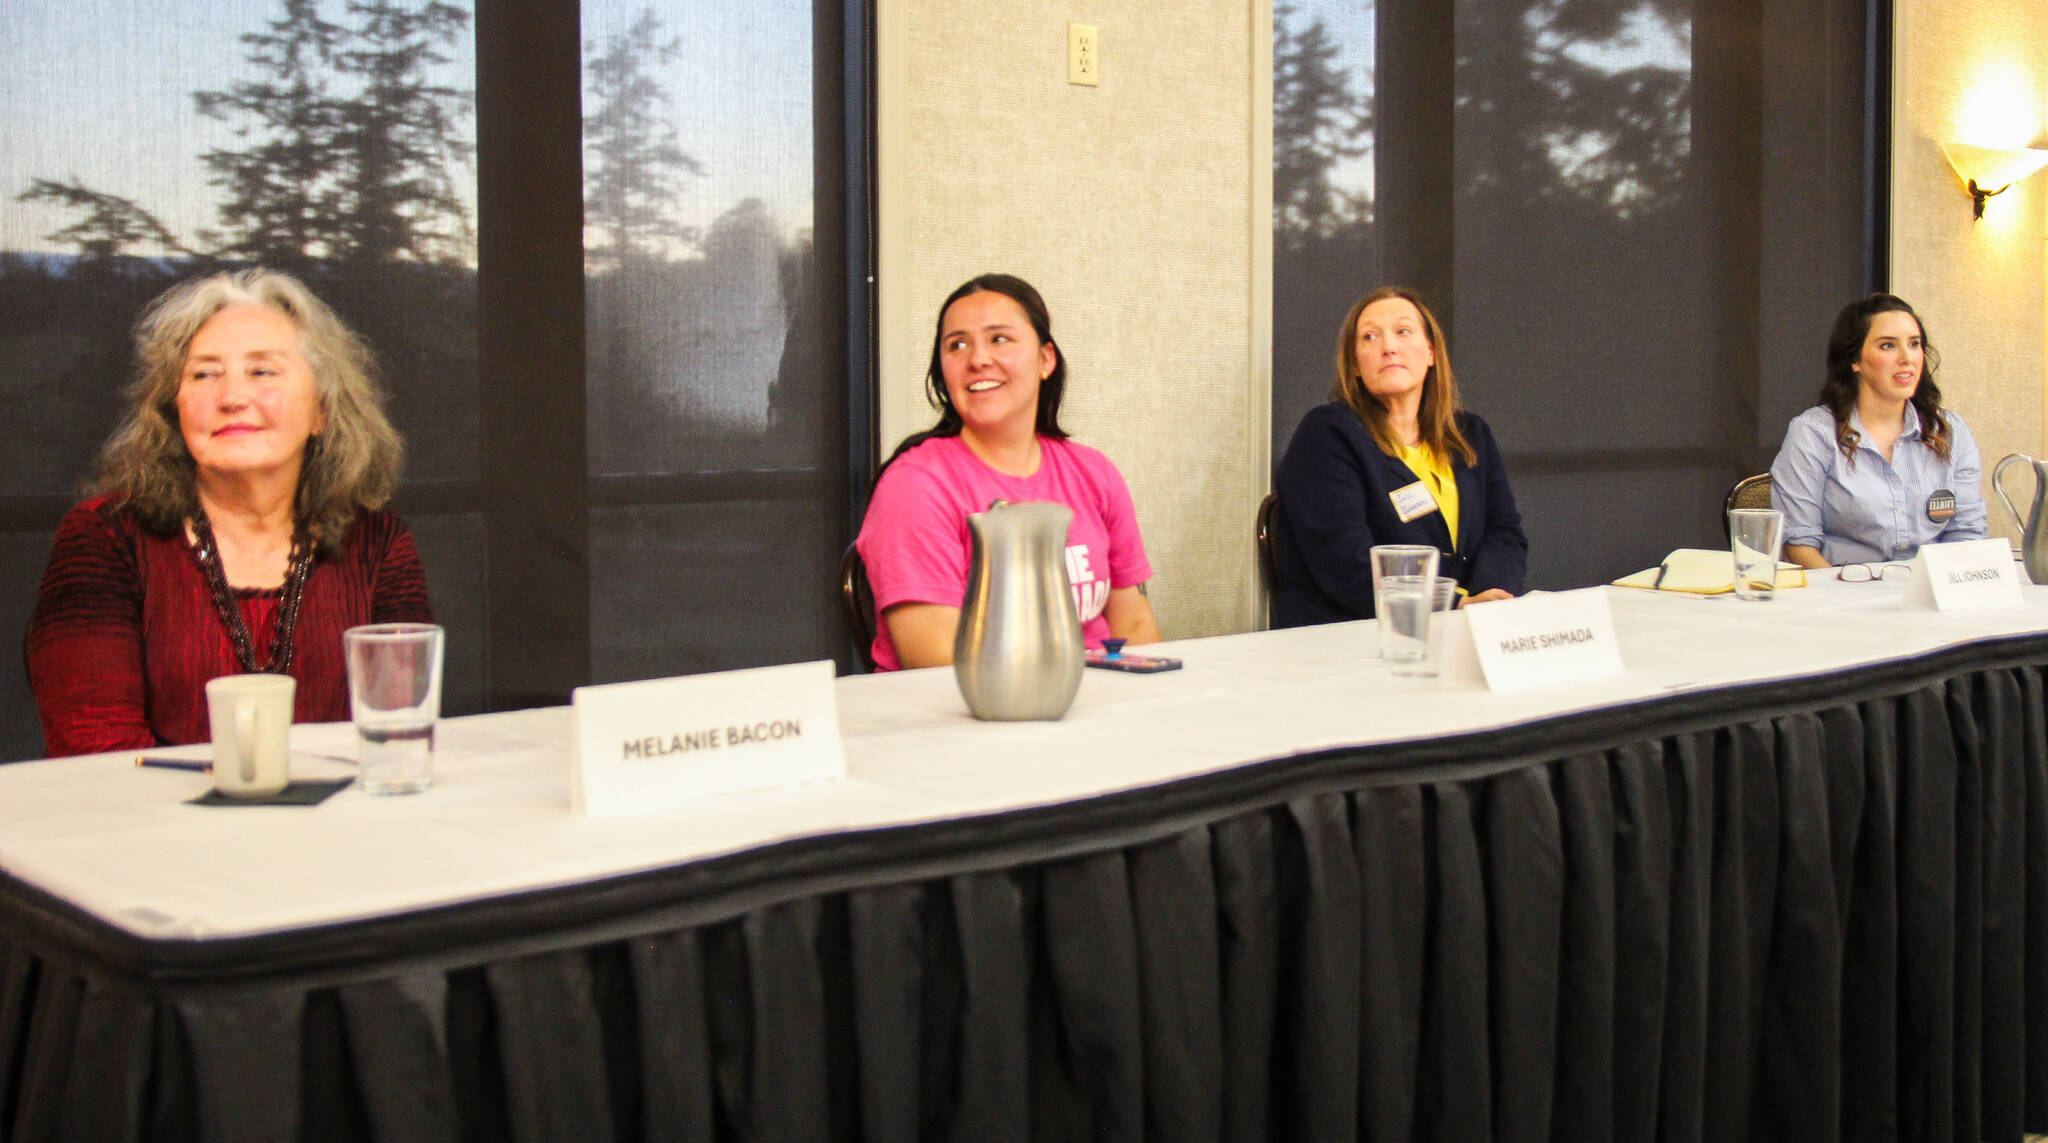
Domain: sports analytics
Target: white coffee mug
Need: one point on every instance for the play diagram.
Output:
(251, 717)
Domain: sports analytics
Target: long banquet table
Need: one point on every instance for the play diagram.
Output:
(1777, 880)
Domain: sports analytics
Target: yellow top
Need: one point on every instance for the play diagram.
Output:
(1436, 476)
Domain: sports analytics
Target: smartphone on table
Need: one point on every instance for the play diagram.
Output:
(1111, 657)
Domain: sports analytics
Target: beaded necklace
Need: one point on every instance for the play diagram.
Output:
(207, 552)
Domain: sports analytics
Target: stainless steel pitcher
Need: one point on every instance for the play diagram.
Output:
(2033, 545)
(1018, 653)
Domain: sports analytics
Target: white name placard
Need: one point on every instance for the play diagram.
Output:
(1967, 576)
(660, 745)
(1540, 640)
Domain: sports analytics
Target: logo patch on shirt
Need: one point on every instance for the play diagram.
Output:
(1090, 593)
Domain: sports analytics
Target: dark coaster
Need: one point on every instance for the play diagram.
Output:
(308, 793)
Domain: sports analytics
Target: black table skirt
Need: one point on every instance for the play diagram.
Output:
(1797, 911)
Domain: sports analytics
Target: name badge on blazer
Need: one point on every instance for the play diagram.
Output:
(1412, 502)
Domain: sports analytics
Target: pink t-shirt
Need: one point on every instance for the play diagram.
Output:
(916, 545)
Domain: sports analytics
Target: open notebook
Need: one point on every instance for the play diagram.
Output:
(1703, 571)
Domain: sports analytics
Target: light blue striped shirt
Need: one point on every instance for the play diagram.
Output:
(1874, 510)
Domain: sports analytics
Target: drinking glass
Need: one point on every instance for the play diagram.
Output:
(1755, 534)
(394, 690)
(1403, 590)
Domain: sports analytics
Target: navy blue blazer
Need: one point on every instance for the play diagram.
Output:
(1335, 485)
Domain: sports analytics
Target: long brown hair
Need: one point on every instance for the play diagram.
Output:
(351, 463)
(1840, 390)
(1437, 421)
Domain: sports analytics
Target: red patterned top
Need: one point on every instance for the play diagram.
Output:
(125, 634)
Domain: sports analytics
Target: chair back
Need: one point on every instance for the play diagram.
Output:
(857, 599)
(1749, 492)
(1262, 535)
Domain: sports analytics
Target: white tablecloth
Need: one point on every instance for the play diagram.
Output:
(121, 843)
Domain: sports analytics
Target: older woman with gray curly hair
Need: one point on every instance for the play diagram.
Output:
(235, 524)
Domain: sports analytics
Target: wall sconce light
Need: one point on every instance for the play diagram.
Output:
(1987, 171)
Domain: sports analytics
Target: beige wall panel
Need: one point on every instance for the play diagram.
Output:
(1128, 206)
(1973, 71)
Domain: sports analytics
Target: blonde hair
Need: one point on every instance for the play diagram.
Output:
(1437, 420)
(350, 465)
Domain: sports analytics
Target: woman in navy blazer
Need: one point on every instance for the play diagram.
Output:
(1368, 468)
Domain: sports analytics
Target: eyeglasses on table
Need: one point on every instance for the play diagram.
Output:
(1871, 573)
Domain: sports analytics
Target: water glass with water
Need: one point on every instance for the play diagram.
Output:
(394, 690)
(1404, 590)
(1755, 535)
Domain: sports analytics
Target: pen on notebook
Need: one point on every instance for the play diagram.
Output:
(1658, 583)
(196, 765)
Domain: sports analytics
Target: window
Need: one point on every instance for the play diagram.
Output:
(1634, 227)
(1325, 245)
(602, 265)
(716, 398)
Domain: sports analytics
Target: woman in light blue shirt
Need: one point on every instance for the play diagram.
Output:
(1878, 468)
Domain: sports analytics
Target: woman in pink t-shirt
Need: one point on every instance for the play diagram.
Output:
(996, 377)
